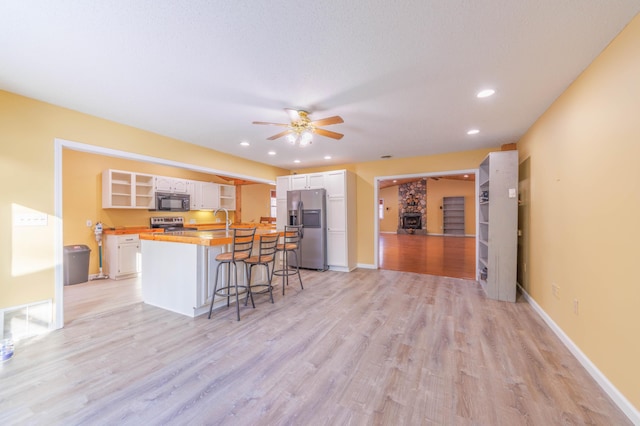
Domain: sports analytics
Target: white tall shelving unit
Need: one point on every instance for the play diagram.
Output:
(498, 225)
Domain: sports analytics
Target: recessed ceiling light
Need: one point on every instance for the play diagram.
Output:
(296, 161)
(473, 132)
(245, 143)
(327, 157)
(271, 153)
(485, 93)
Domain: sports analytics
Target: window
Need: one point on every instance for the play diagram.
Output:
(381, 209)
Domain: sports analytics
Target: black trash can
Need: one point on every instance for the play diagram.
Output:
(76, 264)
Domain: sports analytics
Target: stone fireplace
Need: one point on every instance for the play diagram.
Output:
(412, 199)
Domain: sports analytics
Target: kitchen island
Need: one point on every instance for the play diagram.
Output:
(178, 268)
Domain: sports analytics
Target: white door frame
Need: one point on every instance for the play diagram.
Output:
(376, 189)
(59, 145)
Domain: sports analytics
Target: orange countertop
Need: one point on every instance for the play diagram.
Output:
(130, 230)
(219, 225)
(204, 238)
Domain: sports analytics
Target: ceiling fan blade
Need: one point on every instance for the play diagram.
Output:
(294, 114)
(279, 135)
(270, 124)
(327, 121)
(328, 133)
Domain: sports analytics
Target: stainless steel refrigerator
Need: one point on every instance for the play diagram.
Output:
(307, 207)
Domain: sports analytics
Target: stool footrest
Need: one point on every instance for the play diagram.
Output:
(230, 291)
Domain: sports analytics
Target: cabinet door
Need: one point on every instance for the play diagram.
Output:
(298, 182)
(195, 192)
(315, 181)
(163, 184)
(336, 214)
(209, 196)
(335, 182)
(336, 248)
(281, 214)
(128, 262)
(282, 186)
(180, 186)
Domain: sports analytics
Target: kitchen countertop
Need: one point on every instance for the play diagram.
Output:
(125, 230)
(130, 230)
(203, 238)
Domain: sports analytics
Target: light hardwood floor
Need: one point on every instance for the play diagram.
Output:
(448, 256)
(367, 347)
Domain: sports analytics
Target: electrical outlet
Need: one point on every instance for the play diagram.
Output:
(575, 306)
(89, 223)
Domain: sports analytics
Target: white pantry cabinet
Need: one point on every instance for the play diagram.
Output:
(341, 212)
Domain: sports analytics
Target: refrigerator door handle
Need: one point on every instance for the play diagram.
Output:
(300, 208)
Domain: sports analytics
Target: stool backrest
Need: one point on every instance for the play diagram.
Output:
(242, 240)
(292, 234)
(267, 249)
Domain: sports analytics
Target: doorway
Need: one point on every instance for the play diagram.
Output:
(412, 224)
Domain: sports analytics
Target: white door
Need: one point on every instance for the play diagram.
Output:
(128, 258)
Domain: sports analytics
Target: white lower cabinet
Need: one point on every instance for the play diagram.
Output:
(337, 250)
(121, 257)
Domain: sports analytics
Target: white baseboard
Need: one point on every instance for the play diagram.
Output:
(366, 266)
(618, 398)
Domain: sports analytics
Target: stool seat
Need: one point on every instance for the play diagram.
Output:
(228, 256)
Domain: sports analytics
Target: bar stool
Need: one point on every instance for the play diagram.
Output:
(289, 246)
(266, 255)
(241, 246)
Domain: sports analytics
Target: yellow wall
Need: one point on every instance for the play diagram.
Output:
(390, 221)
(256, 202)
(437, 189)
(584, 230)
(27, 132)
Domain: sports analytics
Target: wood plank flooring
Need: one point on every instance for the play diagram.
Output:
(448, 256)
(367, 347)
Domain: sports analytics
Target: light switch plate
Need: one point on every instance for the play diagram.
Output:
(31, 219)
(512, 193)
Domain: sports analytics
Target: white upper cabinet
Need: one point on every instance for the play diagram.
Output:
(227, 197)
(127, 190)
(335, 183)
(172, 185)
(307, 181)
(204, 195)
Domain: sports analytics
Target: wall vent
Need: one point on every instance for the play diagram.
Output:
(20, 322)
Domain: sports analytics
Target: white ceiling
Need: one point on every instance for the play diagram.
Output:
(403, 75)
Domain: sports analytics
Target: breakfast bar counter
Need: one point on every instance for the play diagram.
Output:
(178, 268)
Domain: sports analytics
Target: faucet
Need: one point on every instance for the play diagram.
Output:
(226, 217)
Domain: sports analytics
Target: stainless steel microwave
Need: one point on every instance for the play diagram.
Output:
(173, 202)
